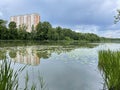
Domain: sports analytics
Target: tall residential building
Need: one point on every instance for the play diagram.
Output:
(28, 20)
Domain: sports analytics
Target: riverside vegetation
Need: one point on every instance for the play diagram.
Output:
(109, 62)
(109, 65)
(43, 31)
(9, 78)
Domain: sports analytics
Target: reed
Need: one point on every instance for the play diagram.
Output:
(9, 79)
(109, 66)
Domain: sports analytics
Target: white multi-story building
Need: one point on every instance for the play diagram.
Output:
(28, 20)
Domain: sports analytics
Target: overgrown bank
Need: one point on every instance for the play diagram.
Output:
(43, 31)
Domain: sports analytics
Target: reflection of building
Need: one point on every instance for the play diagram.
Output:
(29, 20)
(27, 56)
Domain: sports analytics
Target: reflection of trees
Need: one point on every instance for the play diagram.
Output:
(47, 51)
(33, 54)
(12, 54)
(43, 54)
(23, 51)
(2, 54)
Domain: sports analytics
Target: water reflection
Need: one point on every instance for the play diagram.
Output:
(25, 55)
(32, 54)
(67, 67)
(2, 54)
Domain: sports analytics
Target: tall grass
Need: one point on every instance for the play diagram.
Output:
(9, 78)
(109, 65)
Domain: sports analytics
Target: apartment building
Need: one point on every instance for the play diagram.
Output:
(28, 20)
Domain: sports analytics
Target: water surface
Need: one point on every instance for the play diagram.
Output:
(63, 67)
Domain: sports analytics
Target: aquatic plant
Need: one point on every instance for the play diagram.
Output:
(9, 78)
(2, 54)
(109, 66)
(12, 54)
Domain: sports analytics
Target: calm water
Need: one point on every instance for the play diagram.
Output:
(69, 67)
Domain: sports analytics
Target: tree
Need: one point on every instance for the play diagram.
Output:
(46, 26)
(39, 33)
(12, 25)
(117, 17)
(3, 29)
(3, 22)
(59, 30)
(22, 34)
(52, 34)
(3, 33)
(42, 30)
(33, 34)
(13, 30)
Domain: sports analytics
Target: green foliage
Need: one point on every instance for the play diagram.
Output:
(12, 25)
(43, 31)
(67, 38)
(109, 65)
(44, 54)
(3, 30)
(12, 54)
(2, 22)
(117, 17)
(9, 78)
(2, 54)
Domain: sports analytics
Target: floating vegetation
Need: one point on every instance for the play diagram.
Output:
(109, 66)
(12, 54)
(2, 54)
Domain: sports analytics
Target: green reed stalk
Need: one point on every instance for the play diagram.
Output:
(9, 78)
(109, 65)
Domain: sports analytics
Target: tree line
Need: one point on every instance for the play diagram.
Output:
(43, 31)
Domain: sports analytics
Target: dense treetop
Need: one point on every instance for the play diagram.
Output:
(43, 31)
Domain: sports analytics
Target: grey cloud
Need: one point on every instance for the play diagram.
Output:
(67, 13)
(78, 12)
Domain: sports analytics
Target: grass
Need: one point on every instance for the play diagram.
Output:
(109, 65)
(9, 79)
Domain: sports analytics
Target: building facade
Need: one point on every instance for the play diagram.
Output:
(28, 20)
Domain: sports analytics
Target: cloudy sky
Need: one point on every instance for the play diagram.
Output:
(94, 16)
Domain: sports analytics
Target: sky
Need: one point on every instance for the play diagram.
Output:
(86, 16)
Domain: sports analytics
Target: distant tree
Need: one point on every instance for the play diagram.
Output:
(59, 30)
(22, 27)
(46, 26)
(22, 34)
(13, 30)
(52, 34)
(3, 22)
(117, 17)
(42, 30)
(33, 28)
(12, 25)
(3, 30)
(3, 33)
(33, 35)
(39, 31)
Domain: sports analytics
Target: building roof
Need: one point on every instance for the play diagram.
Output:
(26, 14)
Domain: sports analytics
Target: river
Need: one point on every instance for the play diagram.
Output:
(61, 67)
